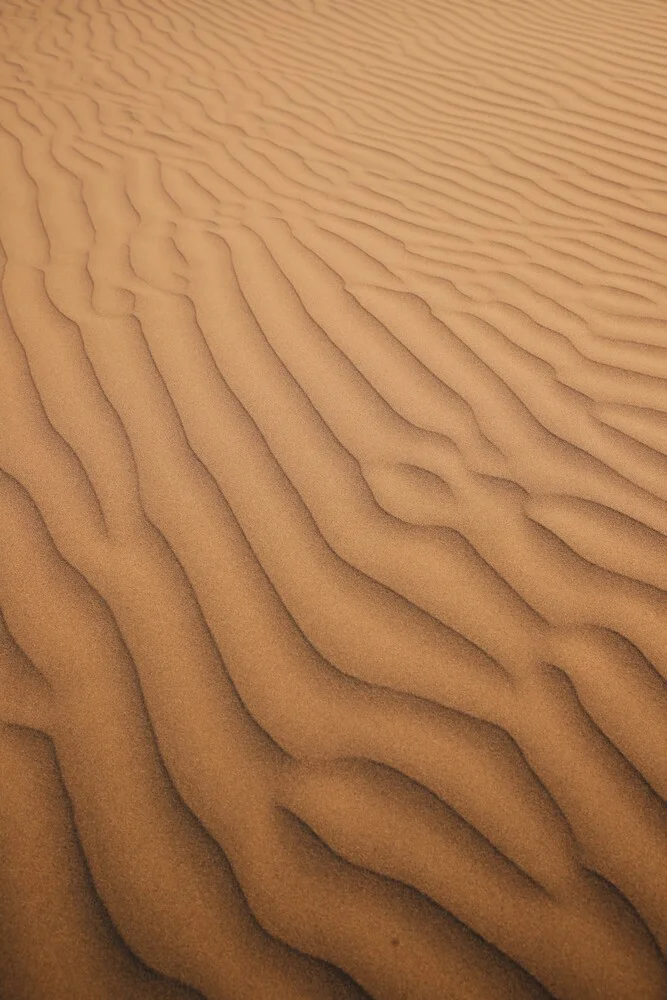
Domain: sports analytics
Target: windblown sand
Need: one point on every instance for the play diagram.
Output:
(333, 499)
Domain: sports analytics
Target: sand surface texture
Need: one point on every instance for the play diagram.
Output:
(333, 499)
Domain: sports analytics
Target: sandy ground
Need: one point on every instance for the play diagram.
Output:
(333, 499)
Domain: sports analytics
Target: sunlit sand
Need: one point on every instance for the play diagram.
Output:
(333, 500)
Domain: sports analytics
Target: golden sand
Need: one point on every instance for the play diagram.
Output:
(333, 499)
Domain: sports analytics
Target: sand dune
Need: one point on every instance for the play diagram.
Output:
(333, 499)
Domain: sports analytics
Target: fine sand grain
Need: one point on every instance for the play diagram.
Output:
(333, 499)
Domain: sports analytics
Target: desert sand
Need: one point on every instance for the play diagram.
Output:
(333, 499)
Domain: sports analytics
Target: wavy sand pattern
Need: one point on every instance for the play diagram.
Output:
(333, 497)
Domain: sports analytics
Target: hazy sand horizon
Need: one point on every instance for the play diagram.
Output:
(333, 499)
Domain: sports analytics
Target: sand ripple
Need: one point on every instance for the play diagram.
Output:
(333, 499)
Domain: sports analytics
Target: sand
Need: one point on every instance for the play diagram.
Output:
(333, 499)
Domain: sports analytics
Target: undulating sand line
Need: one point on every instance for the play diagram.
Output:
(333, 499)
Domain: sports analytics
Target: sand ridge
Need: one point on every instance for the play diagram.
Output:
(333, 495)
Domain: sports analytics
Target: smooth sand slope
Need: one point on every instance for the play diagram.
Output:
(333, 499)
